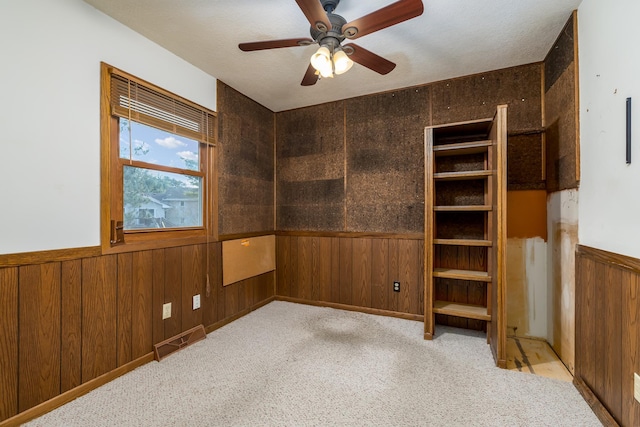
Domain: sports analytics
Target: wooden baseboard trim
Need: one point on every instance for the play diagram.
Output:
(236, 316)
(74, 393)
(596, 406)
(377, 311)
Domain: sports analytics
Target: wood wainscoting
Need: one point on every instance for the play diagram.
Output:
(352, 270)
(608, 333)
(68, 322)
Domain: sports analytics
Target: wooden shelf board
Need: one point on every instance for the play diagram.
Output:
(467, 311)
(464, 175)
(461, 148)
(463, 242)
(468, 208)
(452, 273)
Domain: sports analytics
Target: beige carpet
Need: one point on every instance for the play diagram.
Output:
(295, 365)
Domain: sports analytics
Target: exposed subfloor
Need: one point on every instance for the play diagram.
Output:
(535, 357)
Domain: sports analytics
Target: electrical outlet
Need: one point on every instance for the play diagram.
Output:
(636, 386)
(396, 286)
(166, 310)
(196, 302)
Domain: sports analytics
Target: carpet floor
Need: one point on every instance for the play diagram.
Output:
(289, 364)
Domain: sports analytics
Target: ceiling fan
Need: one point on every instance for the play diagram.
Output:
(330, 30)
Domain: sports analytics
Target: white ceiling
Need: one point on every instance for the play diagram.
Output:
(451, 38)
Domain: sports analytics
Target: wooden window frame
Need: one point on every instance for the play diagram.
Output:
(111, 201)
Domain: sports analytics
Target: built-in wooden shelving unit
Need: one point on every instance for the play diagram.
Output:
(465, 226)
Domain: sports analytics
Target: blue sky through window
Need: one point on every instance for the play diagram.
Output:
(156, 146)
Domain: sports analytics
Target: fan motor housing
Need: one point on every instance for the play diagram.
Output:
(334, 35)
(330, 5)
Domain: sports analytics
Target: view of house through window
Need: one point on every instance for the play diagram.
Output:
(158, 152)
(162, 181)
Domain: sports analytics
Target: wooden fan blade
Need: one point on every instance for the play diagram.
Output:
(274, 44)
(310, 77)
(370, 60)
(315, 14)
(395, 13)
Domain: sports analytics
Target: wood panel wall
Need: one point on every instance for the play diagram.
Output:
(352, 271)
(608, 331)
(65, 323)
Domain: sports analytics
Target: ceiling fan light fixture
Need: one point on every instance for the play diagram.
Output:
(321, 61)
(342, 63)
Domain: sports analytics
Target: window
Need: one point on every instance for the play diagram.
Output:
(159, 148)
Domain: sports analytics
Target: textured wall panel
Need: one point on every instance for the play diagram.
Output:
(310, 168)
(245, 162)
(384, 150)
(560, 112)
(525, 162)
(385, 161)
(561, 133)
(476, 97)
(561, 55)
(246, 204)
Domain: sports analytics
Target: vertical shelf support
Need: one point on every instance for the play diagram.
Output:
(469, 217)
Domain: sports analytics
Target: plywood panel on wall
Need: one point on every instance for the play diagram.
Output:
(527, 214)
(244, 258)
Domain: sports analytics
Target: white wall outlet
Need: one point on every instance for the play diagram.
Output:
(196, 302)
(636, 386)
(166, 310)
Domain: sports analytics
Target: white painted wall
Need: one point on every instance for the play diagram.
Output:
(49, 115)
(609, 73)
